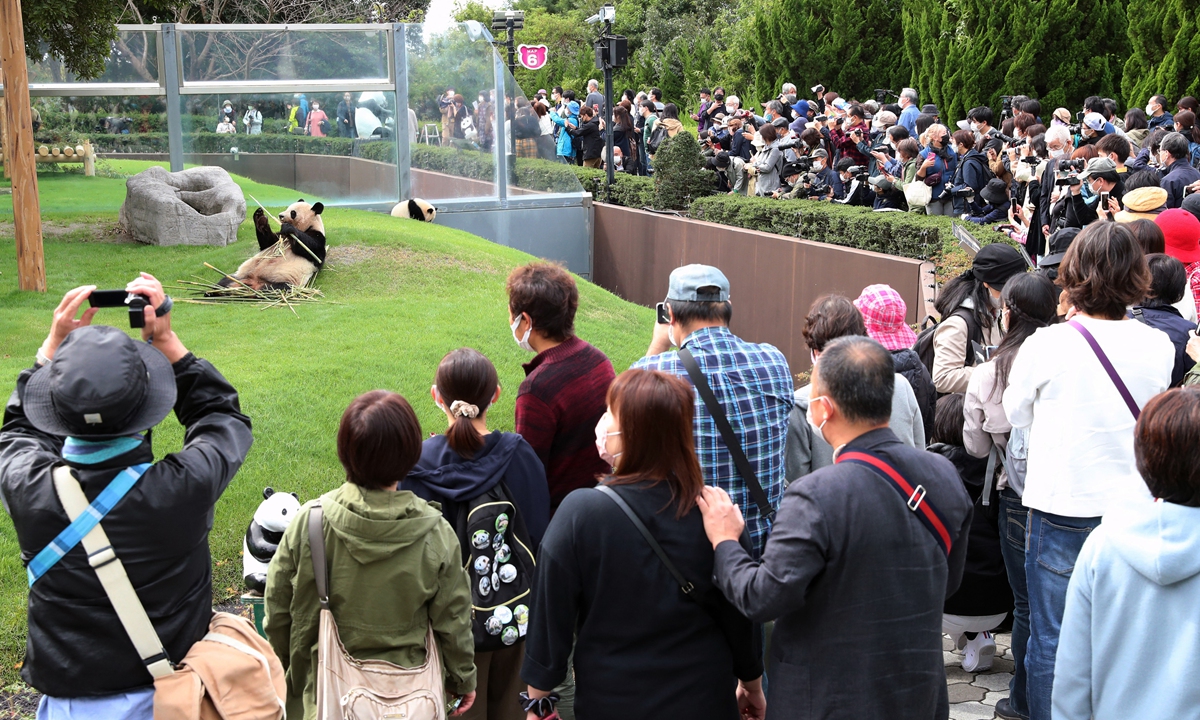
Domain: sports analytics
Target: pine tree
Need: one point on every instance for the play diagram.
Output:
(1164, 38)
(1083, 51)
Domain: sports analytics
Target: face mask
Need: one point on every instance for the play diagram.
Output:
(818, 167)
(974, 127)
(1149, 109)
(1056, 153)
(730, 109)
(522, 342)
(818, 429)
(602, 435)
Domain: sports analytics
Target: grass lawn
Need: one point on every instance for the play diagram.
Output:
(400, 295)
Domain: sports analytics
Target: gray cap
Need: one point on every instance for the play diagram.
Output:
(698, 283)
(820, 153)
(1098, 166)
(1191, 203)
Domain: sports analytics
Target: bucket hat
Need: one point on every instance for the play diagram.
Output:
(100, 385)
(883, 312)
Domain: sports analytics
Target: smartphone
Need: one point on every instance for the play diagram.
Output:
(108, 298)
(663, 317)
(930, 156)
(1103, 201)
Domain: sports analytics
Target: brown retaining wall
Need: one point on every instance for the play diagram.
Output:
(773, 279)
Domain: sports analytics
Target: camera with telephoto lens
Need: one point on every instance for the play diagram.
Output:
(1031, 160)
(1074, 129)
(964, 191)
(881, 95)
(1006, 109)
(885, 149)
(858, 172)
(994, 133)
(1067, 171)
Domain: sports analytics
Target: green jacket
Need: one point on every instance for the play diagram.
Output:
(395, 567)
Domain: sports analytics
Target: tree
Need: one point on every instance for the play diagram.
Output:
(80, 32)
(1164, 58)
(679, 173)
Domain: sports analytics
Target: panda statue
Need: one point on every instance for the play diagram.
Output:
(271, 519)
(303, 235)
(417, 209)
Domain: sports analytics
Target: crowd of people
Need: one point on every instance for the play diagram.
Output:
(693, 537)
(367, 117)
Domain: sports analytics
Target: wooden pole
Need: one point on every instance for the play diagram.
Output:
(4, 129)
(31, 266)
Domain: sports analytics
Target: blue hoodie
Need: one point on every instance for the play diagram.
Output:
(1130, 641)
(443, 476)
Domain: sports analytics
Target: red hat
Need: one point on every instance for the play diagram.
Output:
(1181, 230)
(883, 312)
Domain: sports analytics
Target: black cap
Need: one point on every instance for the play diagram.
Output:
(929, 109)
(994, 264)
(1060, 240)
(995, 192)
(101, 384)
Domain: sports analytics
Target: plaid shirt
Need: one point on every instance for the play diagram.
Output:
(754, 385)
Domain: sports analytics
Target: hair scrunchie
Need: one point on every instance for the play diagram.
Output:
(458, 408)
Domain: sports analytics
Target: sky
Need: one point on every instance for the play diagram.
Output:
(440, 15)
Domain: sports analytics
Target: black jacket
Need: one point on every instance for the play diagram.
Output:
(908, 363)
(643, 649)
(972, 172)
(590, 139)
(1081, 212)
(1167, 318)
(984, 589)
(853, 580)
(443, 476)
(76, 646)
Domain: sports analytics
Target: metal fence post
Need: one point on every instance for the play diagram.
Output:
(499, 146)
(403, 146)
(169, 72)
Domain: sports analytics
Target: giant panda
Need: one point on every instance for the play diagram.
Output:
(417, 209)
(303, 255)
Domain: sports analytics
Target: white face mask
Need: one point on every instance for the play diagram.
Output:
(818, 166)
(974, 127)
(522, 342)
(602, 436)
(730, 109)
(818, 429)
(1056, 153)
(1149, 109)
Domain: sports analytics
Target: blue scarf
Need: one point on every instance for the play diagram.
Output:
(91, 452)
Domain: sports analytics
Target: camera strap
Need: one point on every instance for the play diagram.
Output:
(731, 440)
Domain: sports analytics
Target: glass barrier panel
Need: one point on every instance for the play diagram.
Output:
(230, 55)
(450, 91)
(536, 133)
(112, 124)
(134, 59)
(336, 147)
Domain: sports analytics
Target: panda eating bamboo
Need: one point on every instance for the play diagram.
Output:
(288, 258)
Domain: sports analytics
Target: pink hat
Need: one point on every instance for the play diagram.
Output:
(883, 312)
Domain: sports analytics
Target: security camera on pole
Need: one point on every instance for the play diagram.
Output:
(508, 21)
(612, 51)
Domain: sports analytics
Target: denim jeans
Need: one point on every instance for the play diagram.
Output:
(1012, 547)
(1053, 543)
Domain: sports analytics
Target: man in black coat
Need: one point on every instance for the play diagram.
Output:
(858, 565)
(89, 404)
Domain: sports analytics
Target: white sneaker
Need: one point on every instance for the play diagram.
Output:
(978, 653)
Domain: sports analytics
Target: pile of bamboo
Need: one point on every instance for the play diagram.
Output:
(204, 292)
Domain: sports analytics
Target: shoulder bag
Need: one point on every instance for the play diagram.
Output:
(914, 497)
(727, 434)
(350, 689)
(230, 674)
(687, 587)
(1108, 368)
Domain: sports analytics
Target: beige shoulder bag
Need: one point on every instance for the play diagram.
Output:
(350, 689)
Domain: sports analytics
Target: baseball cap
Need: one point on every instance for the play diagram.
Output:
(1062, 115)
(698, 283)
(1099, 166)
(882, 183)
(883, 312)
(1095, 121)
(820, 153)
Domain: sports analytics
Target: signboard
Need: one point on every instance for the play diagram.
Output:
(532, 57)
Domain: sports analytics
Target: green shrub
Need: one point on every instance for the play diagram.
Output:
(906, 234)
(679, 173)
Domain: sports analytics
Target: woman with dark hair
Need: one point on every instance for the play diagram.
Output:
(670, 119)
(1136, 126)
(1168, 280)
(545, 139)
(768, 163)
(643, 648)
(1185, 124)
(1138, 571)
(983, 599)
(380, 543)
(1078, 388)
(622, 132)
(968, 306)
(465, 463)
(1029, 302)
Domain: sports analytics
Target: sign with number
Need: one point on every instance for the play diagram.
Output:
(533, 57)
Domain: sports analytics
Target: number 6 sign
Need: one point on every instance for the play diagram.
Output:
(533, 57)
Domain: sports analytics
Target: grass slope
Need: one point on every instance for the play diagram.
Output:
(400, 294)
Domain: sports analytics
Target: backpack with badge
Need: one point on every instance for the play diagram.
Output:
(657, 137)
(499, 560)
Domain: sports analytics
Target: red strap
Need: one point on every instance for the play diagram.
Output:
(925, 509)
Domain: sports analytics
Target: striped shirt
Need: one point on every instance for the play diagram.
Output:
(754, 386)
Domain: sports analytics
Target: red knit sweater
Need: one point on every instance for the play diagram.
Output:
(558, 406)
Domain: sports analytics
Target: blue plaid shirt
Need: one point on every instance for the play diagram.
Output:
(754, 385)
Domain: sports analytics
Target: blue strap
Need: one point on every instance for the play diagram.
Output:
(82, 525)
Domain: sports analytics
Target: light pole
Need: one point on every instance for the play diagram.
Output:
(612, 51)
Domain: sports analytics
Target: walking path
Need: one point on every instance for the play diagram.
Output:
(973, 696)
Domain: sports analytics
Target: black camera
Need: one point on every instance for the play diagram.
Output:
(797, 166)
(881, 95)
(963, 192)
(994, 133)
(1006, 109)
(1031, 160)
(1073, 129)
(858, 172)
(885, 149)
(136, 304)
(1067, 170)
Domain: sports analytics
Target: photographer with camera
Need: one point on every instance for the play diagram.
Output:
(826, 183)
(936, 170)
(1091, 128)
(851, 137)
(88, 406)
(768, 163)
(731, 173)
(979, 122)
(971, 175)
(854, 181)
(1105, 188)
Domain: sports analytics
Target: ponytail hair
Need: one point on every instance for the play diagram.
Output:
(466, 381)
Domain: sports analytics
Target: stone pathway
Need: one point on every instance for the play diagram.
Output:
(973, 696)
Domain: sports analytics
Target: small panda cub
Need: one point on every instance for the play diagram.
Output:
(303, 235)
(417, 209)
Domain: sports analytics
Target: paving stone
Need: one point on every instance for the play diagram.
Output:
(947, 643)
(994, 697)
(972, 711)
(1001, 665)
(949, 658)
(955, 674)
(963, 693)
(992, 681)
